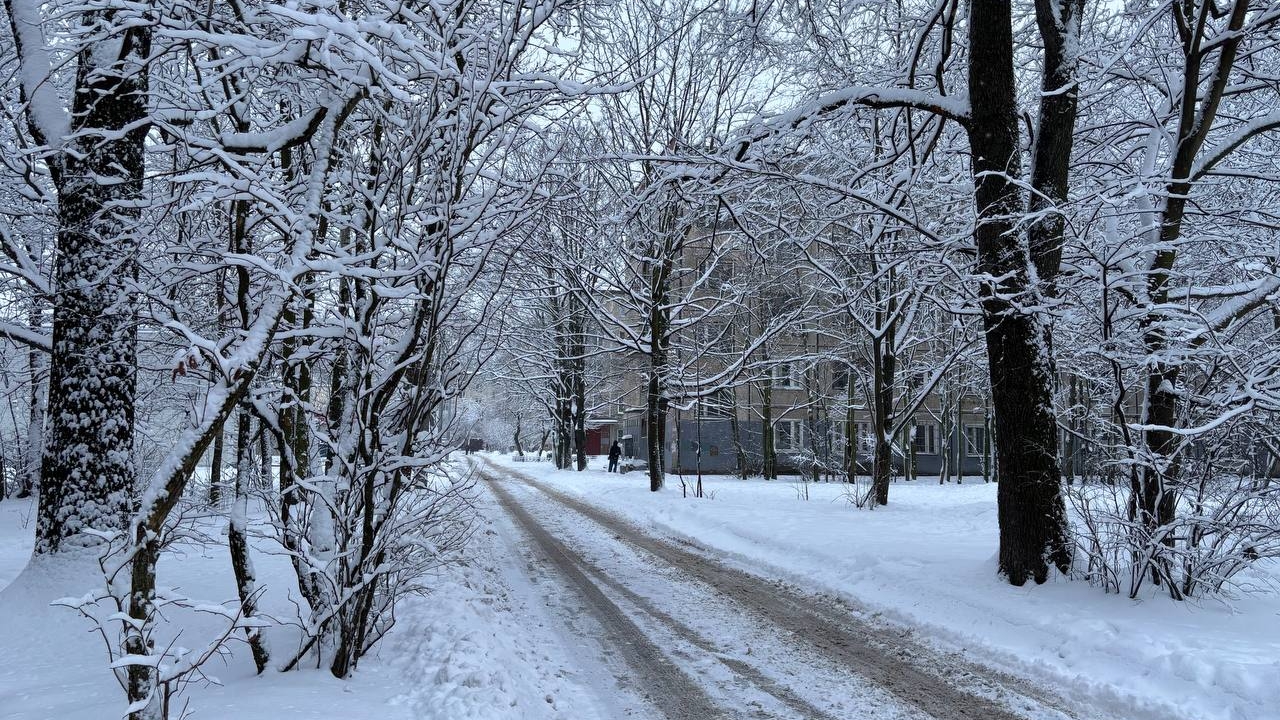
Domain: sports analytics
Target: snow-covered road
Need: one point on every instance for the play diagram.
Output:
(698, 639)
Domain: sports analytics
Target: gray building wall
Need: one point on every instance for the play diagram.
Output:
(719, 456)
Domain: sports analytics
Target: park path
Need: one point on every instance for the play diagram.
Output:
(697, 638)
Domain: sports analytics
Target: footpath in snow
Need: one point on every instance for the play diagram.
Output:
(927, 561)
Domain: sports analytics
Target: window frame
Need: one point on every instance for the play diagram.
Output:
(930, 438)
(968, 442)
(790, 380)
(795, 434)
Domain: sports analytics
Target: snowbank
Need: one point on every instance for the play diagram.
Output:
(461, 653)
(928, 560)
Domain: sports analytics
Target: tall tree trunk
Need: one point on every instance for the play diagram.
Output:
(237, 521)
(38, 363)
(1032, 516)
(580, 429)
(851, 439)
(1154, 496)
(656, 417)
(735, 434)
(1059, 23)
(768, 446)
(238, 543)
(578, 366)
(564, 423)
(215, 462)
(884, 372)
(656, 400)
(215, 470)
(87, 470)
(295, 448)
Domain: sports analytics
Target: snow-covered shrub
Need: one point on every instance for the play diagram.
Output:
(1225, 522)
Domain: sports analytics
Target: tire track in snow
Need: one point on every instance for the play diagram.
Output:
(891, 664)
(673, 692)
(798, 704)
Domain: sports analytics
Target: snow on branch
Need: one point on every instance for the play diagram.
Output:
(292, 133)
(26, 336)
(46, 112)
(950, 107)
(1214, 155)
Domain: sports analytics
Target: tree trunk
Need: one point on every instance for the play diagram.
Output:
(656, 417)
(140, 679)
(884, 370)
(579, 423)
(215, 471)
(238, 543)
(1155, 496)
(38, 363)
(295, 448)
(87, 470)
(578, 364)
(564, 425)
(768, 448)
(1032, 516)
(1059, 23)
(735, 432)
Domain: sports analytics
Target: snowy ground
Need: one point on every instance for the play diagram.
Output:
(482, 646)
(927, 561)
(506, 636)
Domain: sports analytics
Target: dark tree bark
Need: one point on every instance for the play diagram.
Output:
(215, 471)
(87, 471)
(768, 448)
(1154, 498)
(735, 431)
(1055, 135)
(564, 422)
(237, 524)
(851, 438)
(656, 400)
(656, 417)
(1033, 532)
(238, 543)
(38, 363)
(578, 379)
(884, 372)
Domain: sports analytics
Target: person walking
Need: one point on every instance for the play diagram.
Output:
(615, 452)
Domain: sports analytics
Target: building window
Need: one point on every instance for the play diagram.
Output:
(722, 273)
(925, 440)
(786, 375)
(975, 441)
(839, 377)
(718, 406)
(866, 441)
(836, 435)
(789, 434)
(644, 427)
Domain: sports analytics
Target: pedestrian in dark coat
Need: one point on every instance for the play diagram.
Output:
(615, 452)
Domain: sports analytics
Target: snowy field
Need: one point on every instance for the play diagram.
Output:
(927, 561)
(476, 649)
